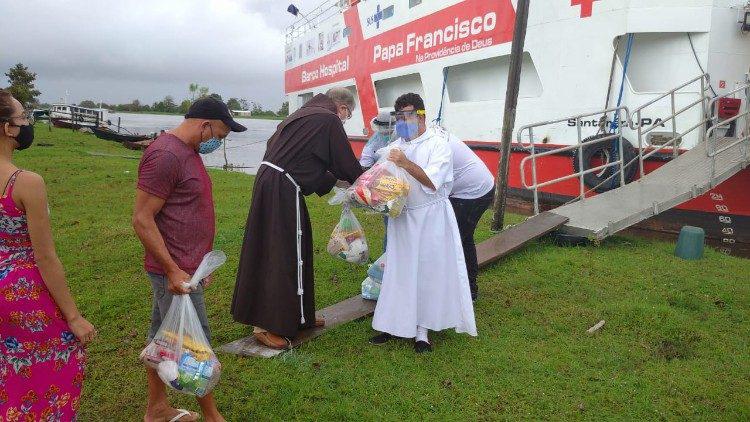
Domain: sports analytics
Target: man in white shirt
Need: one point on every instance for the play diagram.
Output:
(425, 284)
(472, 193)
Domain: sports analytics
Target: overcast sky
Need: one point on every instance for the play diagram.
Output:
(117, 51)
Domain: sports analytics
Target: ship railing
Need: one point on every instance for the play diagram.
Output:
(76, 117)
(324, 11)
(707, 126)
(703, 101)
(535, 185)
(741, 136)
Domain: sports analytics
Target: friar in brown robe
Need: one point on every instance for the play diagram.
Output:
(311, 147)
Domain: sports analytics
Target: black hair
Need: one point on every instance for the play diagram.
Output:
(6, 105)
(410, 99)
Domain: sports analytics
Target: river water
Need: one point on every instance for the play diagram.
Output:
(244, 149)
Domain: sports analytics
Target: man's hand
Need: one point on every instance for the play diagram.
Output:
(399, 158)
(175, 281)
(343, 184)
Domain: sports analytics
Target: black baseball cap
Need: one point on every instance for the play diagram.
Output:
(213, 109)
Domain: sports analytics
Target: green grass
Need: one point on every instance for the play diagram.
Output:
(675, 345)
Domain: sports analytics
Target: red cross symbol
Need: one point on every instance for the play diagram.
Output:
(587, 6)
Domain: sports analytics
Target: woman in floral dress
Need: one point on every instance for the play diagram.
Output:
(42, 334)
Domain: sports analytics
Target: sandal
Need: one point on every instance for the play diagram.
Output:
(320, 322)
(273, 341)
(181, 413)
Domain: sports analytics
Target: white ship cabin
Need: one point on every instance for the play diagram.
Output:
(456, 54)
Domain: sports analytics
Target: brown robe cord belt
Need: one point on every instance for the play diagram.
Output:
(300, 287)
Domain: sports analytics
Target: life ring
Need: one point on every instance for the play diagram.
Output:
(600, 153)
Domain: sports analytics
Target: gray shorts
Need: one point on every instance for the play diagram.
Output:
(162, 298)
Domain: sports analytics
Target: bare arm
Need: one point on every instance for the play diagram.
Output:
(398, 158)
(146, 208)
(32, 196)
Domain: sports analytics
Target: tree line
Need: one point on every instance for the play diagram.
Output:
(21, 81)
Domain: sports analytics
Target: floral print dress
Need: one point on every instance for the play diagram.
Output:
(41, 362)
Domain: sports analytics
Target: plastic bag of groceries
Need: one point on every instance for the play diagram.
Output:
(180, 352)
(371, 288)
(383, 188)
(371, 285)
(377, 269)
(348, 240)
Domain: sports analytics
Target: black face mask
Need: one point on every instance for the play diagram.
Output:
(25, 136)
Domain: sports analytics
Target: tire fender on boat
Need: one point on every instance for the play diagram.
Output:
(607, 150)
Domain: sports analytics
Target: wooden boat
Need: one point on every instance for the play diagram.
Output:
(110, 135)
(64, 123)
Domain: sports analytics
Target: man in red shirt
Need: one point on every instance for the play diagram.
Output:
(174, 219)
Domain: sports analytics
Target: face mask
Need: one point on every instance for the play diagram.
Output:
(209, 146)
(406, 130)
(25, 136)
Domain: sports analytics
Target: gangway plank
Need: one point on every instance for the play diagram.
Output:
(672, 184)
(490, 251)
(515, 237)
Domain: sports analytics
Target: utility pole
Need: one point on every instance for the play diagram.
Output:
(509, 117)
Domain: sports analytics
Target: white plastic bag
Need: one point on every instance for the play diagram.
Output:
(377, 269)
(180, 352)
(348, 240)
(383, 188)
(371, 288)
(371, 285)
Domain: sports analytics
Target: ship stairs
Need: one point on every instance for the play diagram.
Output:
(718, 156)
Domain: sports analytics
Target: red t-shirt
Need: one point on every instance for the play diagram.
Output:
(174, 172)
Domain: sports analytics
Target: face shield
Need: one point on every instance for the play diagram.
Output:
(407, 124)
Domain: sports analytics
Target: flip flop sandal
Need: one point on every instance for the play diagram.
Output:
(181, 413)
(266, 341)
(320, 322)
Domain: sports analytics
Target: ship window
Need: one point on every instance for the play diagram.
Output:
(413, 3)
(353, 89)
(487, 79)
(304, 98)
(388, 90)
(659, 62)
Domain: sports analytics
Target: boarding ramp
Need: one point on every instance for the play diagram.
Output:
(715, 159)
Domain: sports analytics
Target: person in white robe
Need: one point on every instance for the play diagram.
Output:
(425, 284)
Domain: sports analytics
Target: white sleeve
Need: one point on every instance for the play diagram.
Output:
(368, 157)
(369, 152)
(439, 167)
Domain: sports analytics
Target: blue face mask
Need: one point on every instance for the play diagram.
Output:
(209, 146)
(406, 130)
